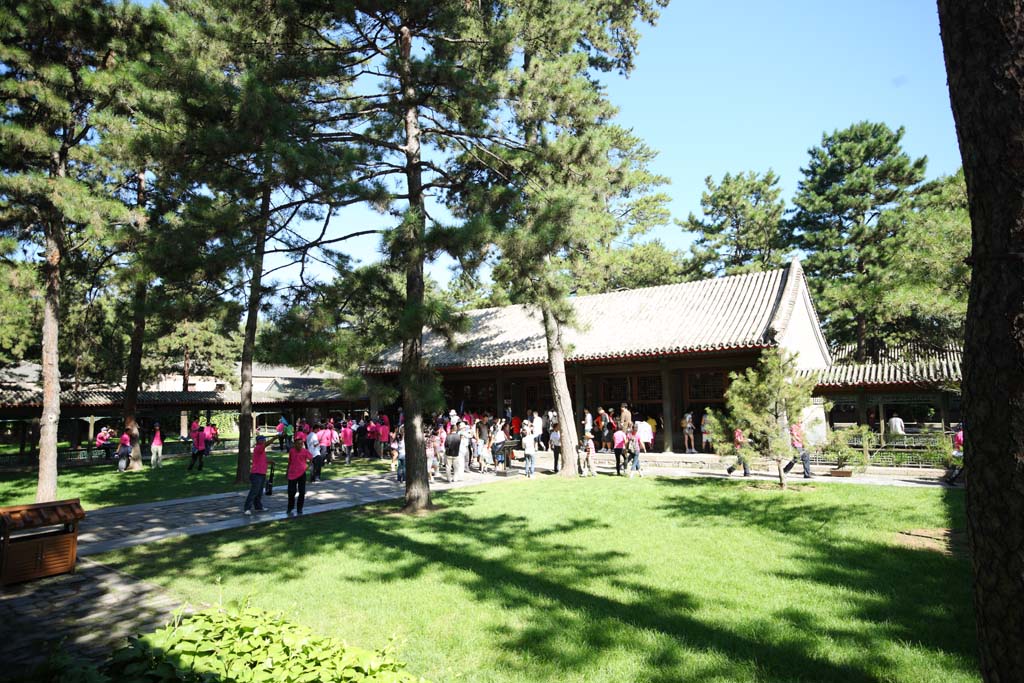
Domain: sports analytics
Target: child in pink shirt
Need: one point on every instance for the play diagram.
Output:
(298, 460)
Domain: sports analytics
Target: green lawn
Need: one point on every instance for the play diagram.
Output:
(613, 580)
(102, 485)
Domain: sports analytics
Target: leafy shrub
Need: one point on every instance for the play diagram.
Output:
(846, 446)
(242, 644)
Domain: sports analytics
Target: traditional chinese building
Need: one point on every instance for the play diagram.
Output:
(664, 351)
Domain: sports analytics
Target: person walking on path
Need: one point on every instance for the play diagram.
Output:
(619, 446)
(636, 446)
(280, 433)
(688, 430)
(156, 447)
(313, 446)
(198, 447)
(705, 434)
(124, 452)
(257, 477)
(588, 421)
(555, 441)
(738, 442)
(529, 449)
(298, 461)
(646, 432)
(588, 451)
(626, 419)
(346, 441)
(796, 439)
(453, 452)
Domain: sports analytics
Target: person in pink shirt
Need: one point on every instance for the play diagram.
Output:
(298, 460)
(372, 437)
(383, 440)
(796, 439)
(385, 420)
(739, 440)
(257, 477)
(103, 442)
(346, 442)
(156, 447)
(124, 452)
(198, 447)
(619, 447)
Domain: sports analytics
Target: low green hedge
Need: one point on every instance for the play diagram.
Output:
(238, 644)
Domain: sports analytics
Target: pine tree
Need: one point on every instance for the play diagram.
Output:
(762, 401)
(260, 117)
(853, 178)
(63, 61)
(742, 229)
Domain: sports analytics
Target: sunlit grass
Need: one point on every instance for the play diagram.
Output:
(102, 485)
(612, 580)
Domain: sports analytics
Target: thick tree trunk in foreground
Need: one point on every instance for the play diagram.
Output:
(46, 489)
(417, 482)
(560, 392)
(134, 375)
(249, 343)
(983, 42)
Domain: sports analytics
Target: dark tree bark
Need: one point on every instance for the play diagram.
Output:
(417, 483)
(983, 42)
(134, 374)
(249, 343)
(560, 391)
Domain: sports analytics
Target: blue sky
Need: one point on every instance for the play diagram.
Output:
(728, 86)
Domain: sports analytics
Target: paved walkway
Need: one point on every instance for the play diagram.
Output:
(120, 527)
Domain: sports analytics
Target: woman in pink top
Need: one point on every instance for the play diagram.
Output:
(257, 477)
(346, 441)
(619, 447)
(298, 460)
(156, 447)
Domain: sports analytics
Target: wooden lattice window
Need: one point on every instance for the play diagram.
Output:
(615, 389)
(707, 386)
(648, 388)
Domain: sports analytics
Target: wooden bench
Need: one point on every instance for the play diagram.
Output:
(38, 540)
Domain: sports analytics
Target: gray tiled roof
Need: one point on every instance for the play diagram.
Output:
(935, 372)
(736, 312)
(913, 352)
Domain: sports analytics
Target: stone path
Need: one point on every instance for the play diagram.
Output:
(120, 527)
(92, 611)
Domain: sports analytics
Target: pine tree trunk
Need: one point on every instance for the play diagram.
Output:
(134, 374)
(983, 42)
(560, 392)
(184, 387)
(249, 342)
(46, 489)
(417, 483)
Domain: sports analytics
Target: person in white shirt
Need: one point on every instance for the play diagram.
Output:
(538, 430)
(643, 428)
(896, 425)
(555, 442)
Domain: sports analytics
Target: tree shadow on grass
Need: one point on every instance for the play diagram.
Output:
(910, 595)
(571, 616)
